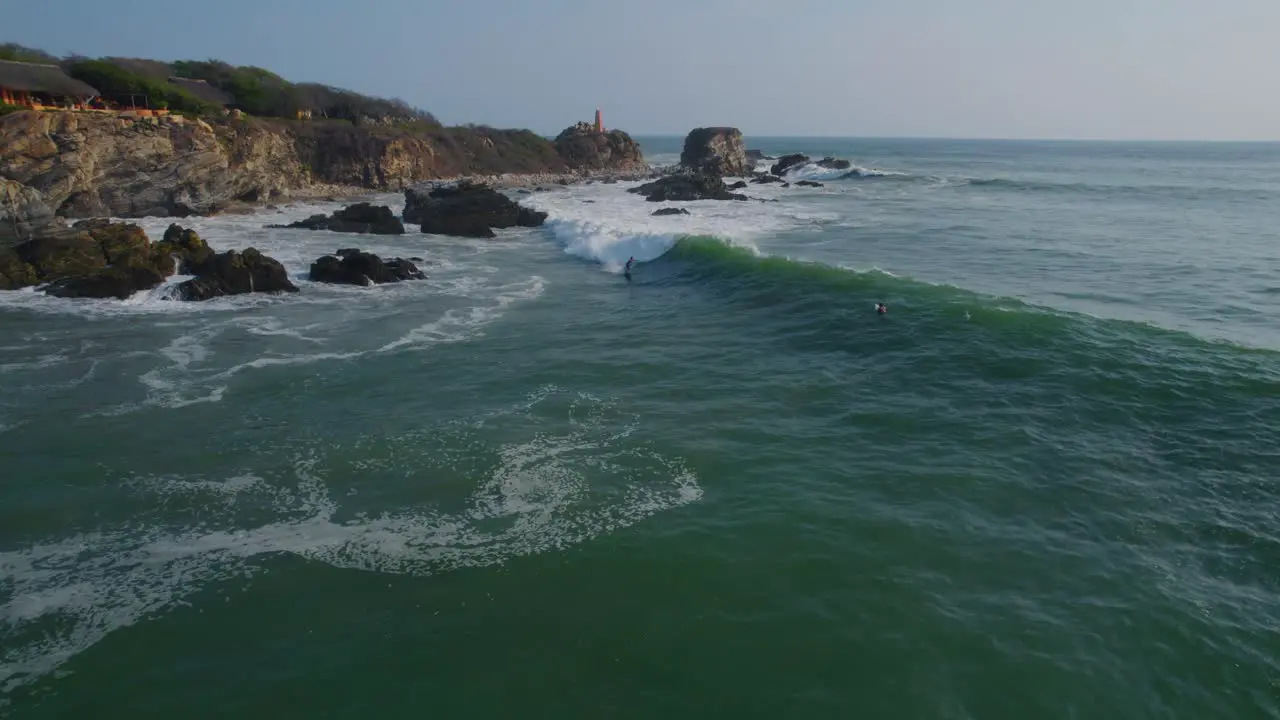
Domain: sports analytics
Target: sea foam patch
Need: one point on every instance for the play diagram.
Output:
(549, 473)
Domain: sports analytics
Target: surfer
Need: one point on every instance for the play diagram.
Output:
(626, 272)
(881, 309)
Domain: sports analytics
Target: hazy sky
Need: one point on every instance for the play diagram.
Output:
(1158, 69)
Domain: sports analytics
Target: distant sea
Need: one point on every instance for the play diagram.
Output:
(1043, 485)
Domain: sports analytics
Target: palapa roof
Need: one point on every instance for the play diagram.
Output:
(31, 77)
(203, 90)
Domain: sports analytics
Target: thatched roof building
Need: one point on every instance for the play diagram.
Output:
(47, 79)
(203, 90)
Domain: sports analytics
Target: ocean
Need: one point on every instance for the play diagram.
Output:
(1043, 485)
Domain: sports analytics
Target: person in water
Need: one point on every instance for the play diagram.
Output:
(627, 270)
(881, 309)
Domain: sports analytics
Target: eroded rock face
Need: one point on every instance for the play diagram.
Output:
(362, 218)
(356, 267)
(715, 151)
(685, 187)
(584, 148)
(467, 210)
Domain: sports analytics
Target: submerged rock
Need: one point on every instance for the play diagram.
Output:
(808, 183)
(766, 179)
(786, 162)
(738, 185)
(687, 186)
(356, 267)
(715, 151)
(467, 210)
(362, 218)
(670, 211)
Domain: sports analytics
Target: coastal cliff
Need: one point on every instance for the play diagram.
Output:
(56, 165)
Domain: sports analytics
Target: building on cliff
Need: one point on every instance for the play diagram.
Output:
(40, 86)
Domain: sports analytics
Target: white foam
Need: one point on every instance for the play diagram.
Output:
(616, 225)
(550, 491)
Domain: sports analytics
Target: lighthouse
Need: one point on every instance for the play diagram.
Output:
(599, 121)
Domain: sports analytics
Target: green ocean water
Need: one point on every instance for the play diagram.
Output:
(1042, 486)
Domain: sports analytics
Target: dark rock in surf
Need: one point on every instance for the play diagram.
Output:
(685, 187)
(187, 247)
(467, 210)
(786, 162)
(755, 156)
(670, 211)
(766, 179)
(361, 218)
(236, 273)
(356, 267)
(738, 185)
(831, 163)
(808, 183)
(119, 282)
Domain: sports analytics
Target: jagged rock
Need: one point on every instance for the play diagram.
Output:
(715, 151)
(584, 148)
(808, 183)
(187, 247)
(362, 218)
(687, 186)
(786, 162)
(356, 267)
(670, 211)
(738, 185)
(234, 273)
(94, 259)
(766, 179)
(832, 163)
(467, 210)
(755, 156)
(786, 184)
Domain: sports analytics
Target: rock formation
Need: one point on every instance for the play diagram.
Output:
(584, 148)
(235, 273)
(670, 211)
(100, 259)
(715, 151)
(831, 163)
(738, 185)
(361, 218)
(687, 186)
(466, 210)
(356, 267)
(786, 162)
(766, 179)
(808, 183)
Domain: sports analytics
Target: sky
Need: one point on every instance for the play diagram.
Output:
(1087, 69)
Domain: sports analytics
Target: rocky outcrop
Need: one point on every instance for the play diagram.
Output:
(362, 218)
(189, 250)
(831, 163)
(235, 273)
(584, 148)
(808, 183)
(466, 210)
(755, 156)
(95, 260)
(715, 151)
(356, 267)
(100, 259)
(670, 211)
(786, 162)
(738, 185)
(687, 186)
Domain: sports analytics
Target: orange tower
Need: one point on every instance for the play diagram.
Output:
(599, 121)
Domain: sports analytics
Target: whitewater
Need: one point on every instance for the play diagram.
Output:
(1040, 486)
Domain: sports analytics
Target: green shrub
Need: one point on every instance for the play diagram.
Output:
(6, 108)
(121, 85)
